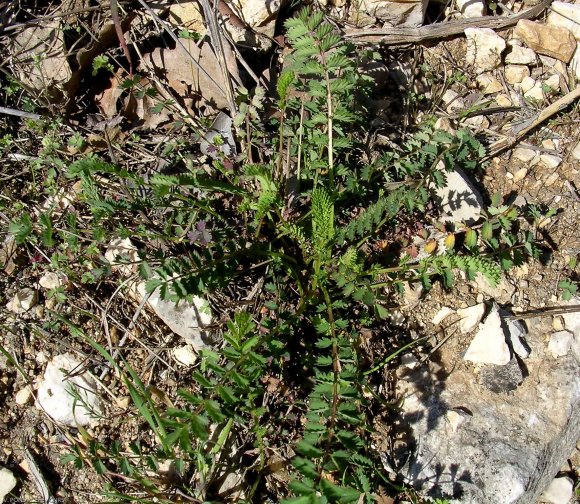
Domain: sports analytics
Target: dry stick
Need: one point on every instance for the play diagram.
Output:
(402, 35)
(20, 113)
(217, 41)
(544, 312)
(505, 143)
(120, 34)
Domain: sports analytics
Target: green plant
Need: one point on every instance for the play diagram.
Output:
(304, 212)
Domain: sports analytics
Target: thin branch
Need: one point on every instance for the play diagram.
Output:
(396, 35)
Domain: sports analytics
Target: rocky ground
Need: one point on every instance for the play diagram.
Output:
(489, 396)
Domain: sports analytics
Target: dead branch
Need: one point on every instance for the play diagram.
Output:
(395, 35)
(517, 134)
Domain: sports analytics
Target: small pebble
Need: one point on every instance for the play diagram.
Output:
(23, 396)
(520, 175)
(551, 179)
(527, 84)
(558, 323)
(503, 101)
(550, 161)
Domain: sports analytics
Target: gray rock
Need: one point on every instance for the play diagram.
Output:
(502, 379)
(459, 199)
(473, 445)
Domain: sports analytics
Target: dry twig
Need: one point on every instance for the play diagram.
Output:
(396, 35)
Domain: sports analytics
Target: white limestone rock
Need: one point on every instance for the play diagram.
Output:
(452, 101)
(515, 74)
(484, 48)
(459, 200)
(489, 344)
(471, 8)
(560, 343)
(54, 392)
(536, 92)
(442, 314)
(550, 160)
(565, 15)
(185, 319)
(52, 280)
(576, 152)
(560, 490)
(488, 84)
(553, 82)
(521, 56)
(470, 317)
(23, 396)
(122, 255)
(524, 155)
(572, 319)
(23, 300)
(7, 482)
(185, 355)
(527, 84)
(394, 13)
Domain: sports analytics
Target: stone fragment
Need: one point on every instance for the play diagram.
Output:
(521, 56)
(185, 355)
(576, 152)
(189, 15)
(122, 255)
(260, 15)
(184, 75)
(565, 15)
(514, 74)
(558, 323)
(553, 82)
(452, 101)
(520, 175)
(550, 144)
(470, 317)
(23, 301)
(489, 344)
(7, 482)
(40, 57)
(560, 343)
(549, 40)
(560, 490)
(536, 92)
(523, 154)
(488, 83)
(502, 292)
(572, 319)
(527, 84)
(393, 13)
(52, 280)
(443, 123)
(471, 8)
(550, 160)
(484, 48)
(441, 315)
(185, 319)
(548, 182)
(458, 199)
(503, 101)
(23, 396)
(63, 379)
(516, 336)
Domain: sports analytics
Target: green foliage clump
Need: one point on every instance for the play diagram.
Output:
(303, 213)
